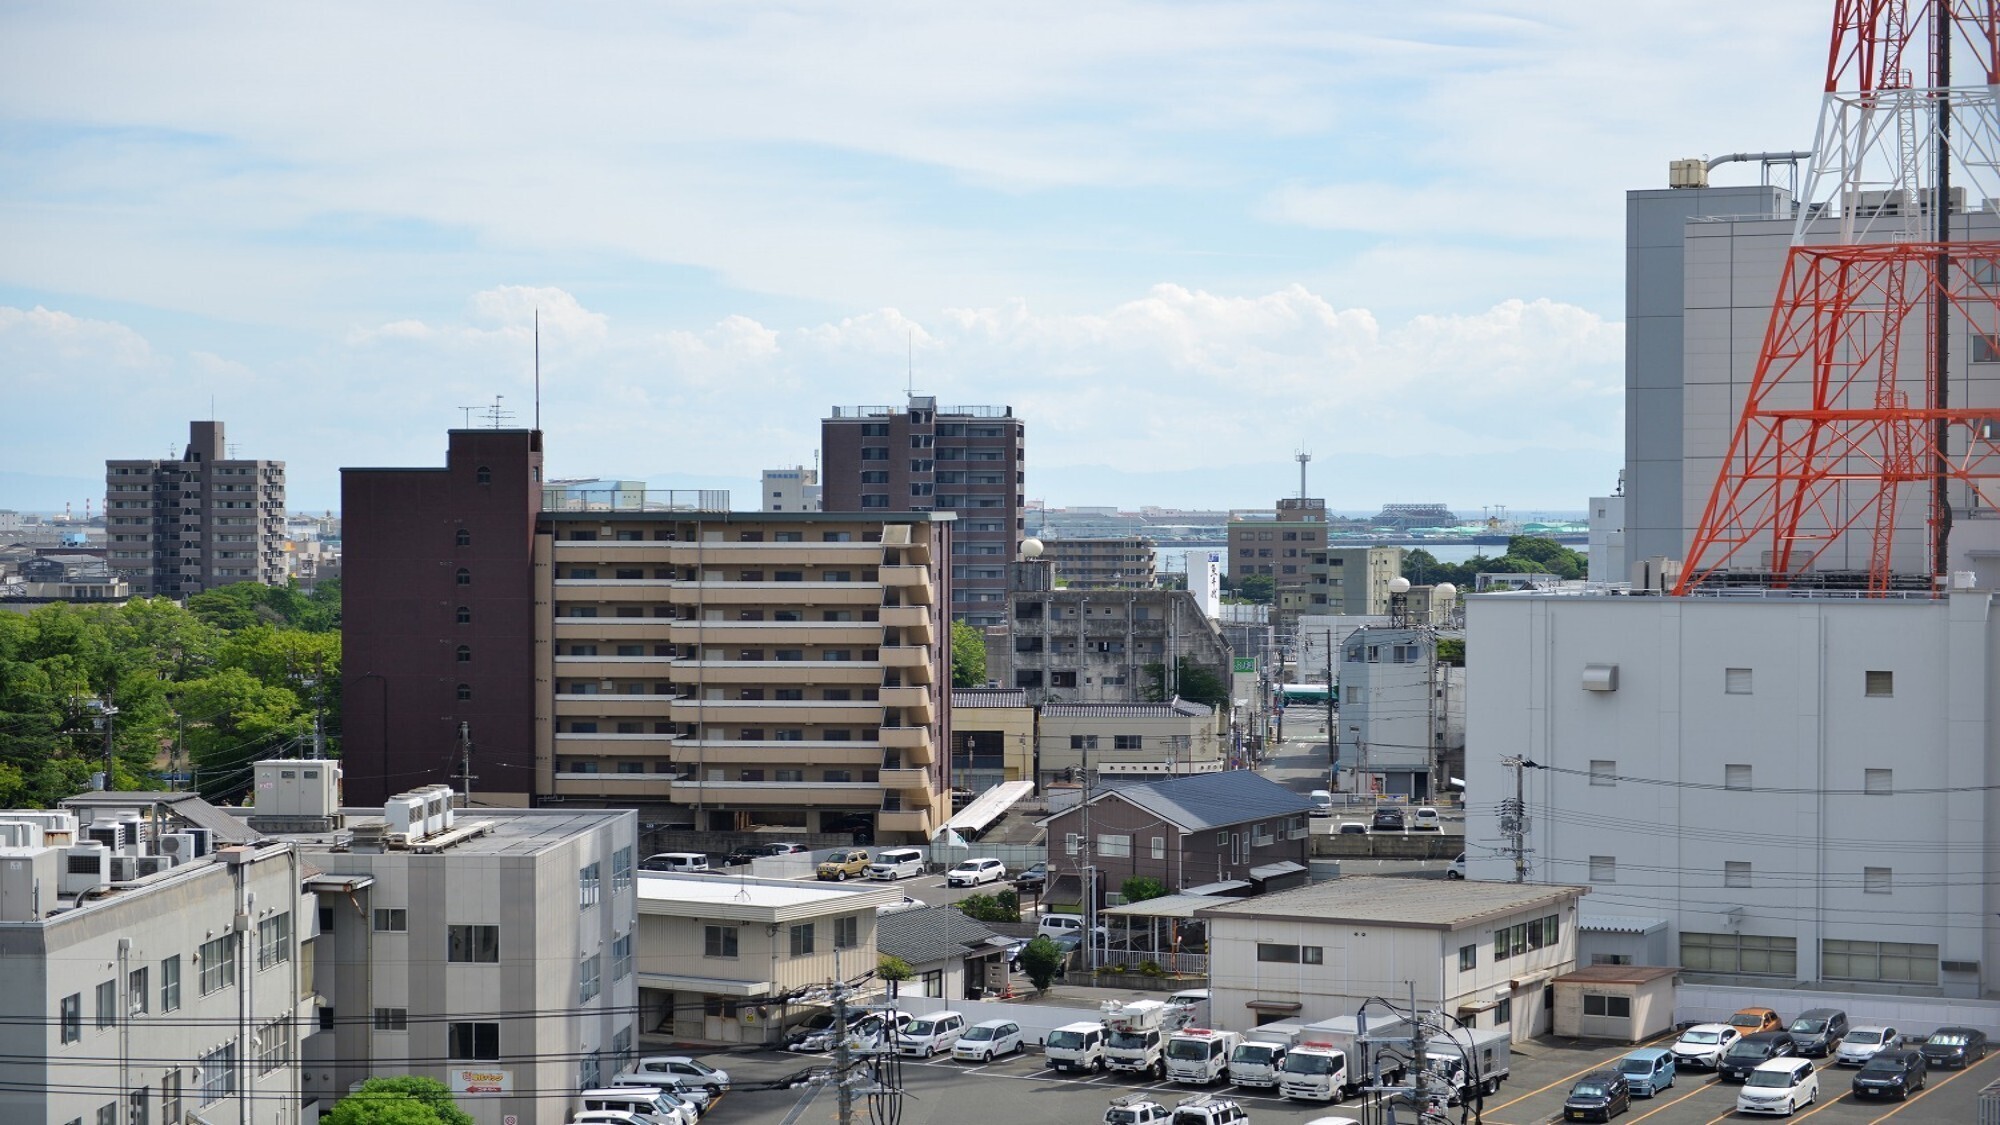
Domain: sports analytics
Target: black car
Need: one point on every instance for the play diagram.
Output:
(1819, 1031)
(1742, 1058)
(1954, 1046)
(1034, 879)
(1891, 1074)
(1598, 1096)
(749, 852)
(1387, 820)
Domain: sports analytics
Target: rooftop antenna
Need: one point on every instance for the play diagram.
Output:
(1302, 457)
(495, 414)
(538, 367)
(468, 415)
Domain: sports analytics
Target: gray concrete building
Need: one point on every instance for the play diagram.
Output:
(1402, 713)
(790, 490)
(177, 527)
(1123, 562)
(1098, 646)
(153, 960)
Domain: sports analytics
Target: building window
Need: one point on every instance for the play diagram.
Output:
(273, 1045)
(589, 884)
(621, 957)
(1159, 847)
(621, 869)
(465, 615)
(464, 577)
(464, 538)
(1291, 954)
(1735, 873)
(392, 920)
(1468, 957)
(137, 994)
(218, 964)
(474, 944)
(392, 1019)
(718, 941)
(464, 692)
(218, 1073)
(107, 1004)
(1880, 685)
(72, 1017)
(274, 941)
(170, 1095)
(474, 1042)
(465, 654)
(587, 983)
(1736, 681)
(1503, 1012)
(1878, 783)
(1739, 954)
(1114, 847)
(802, 939)
(1614, 1007)
(1736, 777)
(1902, 962)
(1876, 880)
(1083, 742)
(933, 983)
(170, 984)
(1603, 772)
(1128, 741)
(1603, 869)
(483, 475)
(846, 933)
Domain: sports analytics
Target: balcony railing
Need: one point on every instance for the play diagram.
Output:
(580, 498)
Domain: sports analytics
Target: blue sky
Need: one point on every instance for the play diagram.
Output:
(1182, 239)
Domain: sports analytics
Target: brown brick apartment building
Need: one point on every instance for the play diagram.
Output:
(716, 670)
(923, 458)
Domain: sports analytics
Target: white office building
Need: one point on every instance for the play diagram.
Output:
(1801, 789)
(790, 490)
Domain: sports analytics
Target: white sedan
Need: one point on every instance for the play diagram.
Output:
(973, 872)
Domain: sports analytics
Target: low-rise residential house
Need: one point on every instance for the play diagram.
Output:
(1483, 952)
(735, 960)
(992, 737)
(948, 953)
(1232, 832)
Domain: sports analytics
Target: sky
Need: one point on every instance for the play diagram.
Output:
(1184, 240)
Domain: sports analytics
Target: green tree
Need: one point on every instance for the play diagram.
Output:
(1002, 907)
(1041, 959)
(233, 719)
(1195, 683)
(1258, 588)
(1451, 650)
(1139, 888)
(968, 656)
(394, 1097)
(892, 968)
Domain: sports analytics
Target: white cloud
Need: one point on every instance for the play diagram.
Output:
(42, 343)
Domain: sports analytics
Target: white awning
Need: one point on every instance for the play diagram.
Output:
(1221, 888)
(713, 986)
(988, 806)
(1274, 870)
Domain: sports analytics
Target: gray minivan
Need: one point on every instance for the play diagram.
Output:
(1818, 1032)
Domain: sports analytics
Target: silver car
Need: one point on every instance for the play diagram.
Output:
(1864, 1043)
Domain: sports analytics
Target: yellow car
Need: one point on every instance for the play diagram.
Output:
(844, 863)
(1750, 1021)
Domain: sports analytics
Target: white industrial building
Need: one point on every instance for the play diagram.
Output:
(1800, 788)
(1402, 713)
(152, 964)
(1483, 952)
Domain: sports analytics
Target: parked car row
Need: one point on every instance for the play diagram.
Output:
(660, 1088)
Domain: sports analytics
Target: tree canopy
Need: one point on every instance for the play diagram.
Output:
(1193, 682)
(404, 1100)
(968, 656)
(1525, 554)
(206, 689)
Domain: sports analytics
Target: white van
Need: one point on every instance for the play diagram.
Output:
(897, 863)
(1322, 800)
(1062, 925)
(676, 861)
(927, 1035)
(653, 1101)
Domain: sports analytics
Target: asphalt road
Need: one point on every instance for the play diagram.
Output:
(1023, 1090)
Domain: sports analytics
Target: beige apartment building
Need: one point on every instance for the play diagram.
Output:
(1122, 562)
(1129, 740)
(728, 671)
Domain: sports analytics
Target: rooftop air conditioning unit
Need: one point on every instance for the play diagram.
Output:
(152, 864)
(124, 868)
(20, 834)
(176, 846)
(85, 866)
(404, 814)
(111, 834)
(28, 883)
(204, 840)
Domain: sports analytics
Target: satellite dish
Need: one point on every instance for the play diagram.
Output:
(1446, 590)
(1031, 548)
(1399, 585)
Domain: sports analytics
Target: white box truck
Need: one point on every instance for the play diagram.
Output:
(1197, 1056)
(1331, 1061)
(1135, 1039)
(1075, 1046)
(1489, 1049)
(1256, 1060)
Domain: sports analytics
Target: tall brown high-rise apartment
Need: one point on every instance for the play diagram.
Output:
(926, 458)
(715, 670)
(176, 528)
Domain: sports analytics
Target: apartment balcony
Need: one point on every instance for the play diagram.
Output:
(915, 703)
(613, 706)
(913, 784)
(613, 628)
(618, 786)
(575, 744)
(646, 590)
(783, 673)
(706, 554)
(613, 552)
(614, 667)
(818, 794)
(913, 661)
(761, 634)
(915, 822)
(702, 753)
(914, 620)
(761, 594)
(778, 712)
(913, 581)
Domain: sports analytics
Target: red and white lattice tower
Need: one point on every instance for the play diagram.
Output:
(1856, 441)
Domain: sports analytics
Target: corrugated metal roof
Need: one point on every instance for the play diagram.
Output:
(1211, 800)
(1391, 901)
(1181, 708)
(188, 806)
(1617, 924)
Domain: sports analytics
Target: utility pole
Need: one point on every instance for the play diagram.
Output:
(1514, 819)
(843, 1057)
(107, 716)
(465, 774)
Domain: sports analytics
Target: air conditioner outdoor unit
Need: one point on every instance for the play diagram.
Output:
(152, 864)
(204, 840)
(124, 868)
(20, 834)
(84, 866)
(176, 846)
(110, 834)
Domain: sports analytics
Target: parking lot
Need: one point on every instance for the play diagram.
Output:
(1023, 1089)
